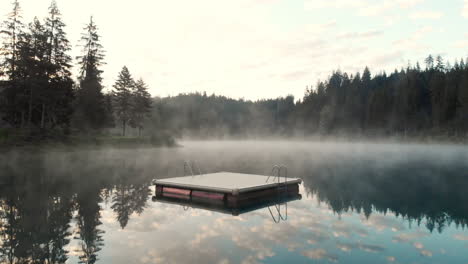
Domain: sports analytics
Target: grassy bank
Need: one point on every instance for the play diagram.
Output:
(11, 139)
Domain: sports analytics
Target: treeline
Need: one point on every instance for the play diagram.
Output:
(411, 102)
(200, 115)
(38, 92)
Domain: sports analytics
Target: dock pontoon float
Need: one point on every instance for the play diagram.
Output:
(229, 192)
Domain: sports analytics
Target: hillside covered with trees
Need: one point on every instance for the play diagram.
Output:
(412, 102)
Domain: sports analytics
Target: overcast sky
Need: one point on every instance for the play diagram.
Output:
(259, 48)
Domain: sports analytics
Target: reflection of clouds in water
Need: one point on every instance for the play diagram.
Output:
(206, 232)
(426, 253)
(383, 222)
(256, 242)
(316, 233)
(462, 237)
(156, 218)
(418, 245)
(342, 229)
(347, 247)
(409, 237)
(319, 254)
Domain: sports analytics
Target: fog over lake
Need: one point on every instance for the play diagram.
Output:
(361, 203)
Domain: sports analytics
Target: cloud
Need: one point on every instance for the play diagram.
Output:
(426, 15)
(360, 35)
(364, 7)
(461, 44)
(337, 4)
(413, 42)
(465, 9)
(391, 259)
(382, 7)
(408, 3)
(377, 8)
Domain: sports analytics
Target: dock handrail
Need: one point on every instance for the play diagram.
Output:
(191, 166)
(194, 164)
(278, 169)
(187, 165)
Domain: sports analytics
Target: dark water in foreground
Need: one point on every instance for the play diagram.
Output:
(376, 203)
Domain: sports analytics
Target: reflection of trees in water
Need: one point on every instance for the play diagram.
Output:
(414, 191)
(36, 210)
(88, 220)
(130, 196)
(34, 223)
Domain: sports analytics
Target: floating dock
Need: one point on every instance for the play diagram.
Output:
(227, 189)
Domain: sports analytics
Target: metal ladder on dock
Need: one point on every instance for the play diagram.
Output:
(189, 166)
(278, 169)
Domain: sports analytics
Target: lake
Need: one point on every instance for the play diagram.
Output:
(361, 203)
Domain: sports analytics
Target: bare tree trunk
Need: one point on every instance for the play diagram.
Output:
(30, 107)
(43, 116)
(139, 131)
(123, 128)
(22, 119)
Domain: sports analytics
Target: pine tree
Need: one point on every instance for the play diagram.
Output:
(123, 97)
(109, 110)
(34, 66)
(13, 92)
(429, 62)
(89, 104)
(12, 30)
(440, 66)
(57, 99)
(141, 105)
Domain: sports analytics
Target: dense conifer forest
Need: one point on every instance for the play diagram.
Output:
(412, 102)
(39, 97)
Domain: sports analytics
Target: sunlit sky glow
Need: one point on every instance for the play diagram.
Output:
(259, 48)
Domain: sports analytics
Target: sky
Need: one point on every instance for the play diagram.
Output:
(255, 49)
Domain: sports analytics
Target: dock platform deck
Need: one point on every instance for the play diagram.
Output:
(230, 189)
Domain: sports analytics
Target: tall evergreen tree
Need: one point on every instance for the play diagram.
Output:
(13, 92)
(33, 67)
(89, 104)
(141, 106)
(429, 62)
(58, 95)
(12, 30)
(123, 97)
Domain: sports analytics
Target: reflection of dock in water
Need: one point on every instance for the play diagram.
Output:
(225, 192)
(221, 207)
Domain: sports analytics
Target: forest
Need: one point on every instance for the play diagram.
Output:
(38, 94)
(40, 98)
(408, 103)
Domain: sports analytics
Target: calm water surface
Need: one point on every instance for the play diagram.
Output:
(361, 203)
